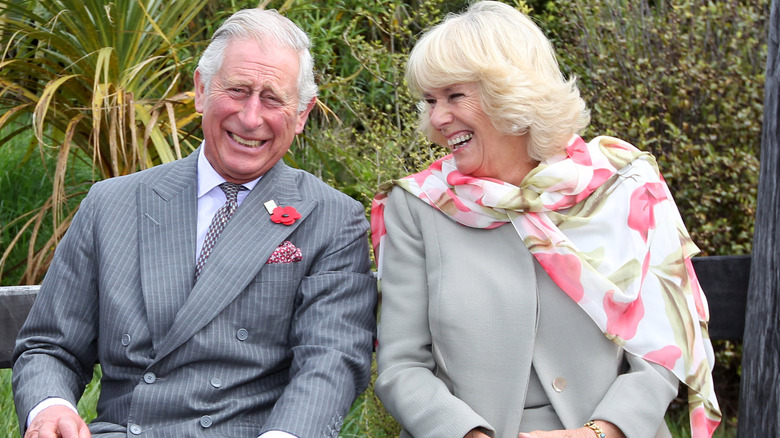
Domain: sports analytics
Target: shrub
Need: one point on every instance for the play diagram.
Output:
(683, 79)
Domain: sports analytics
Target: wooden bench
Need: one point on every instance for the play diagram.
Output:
(15, 304)
(723, 278)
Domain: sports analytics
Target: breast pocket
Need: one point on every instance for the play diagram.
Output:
(281, 273)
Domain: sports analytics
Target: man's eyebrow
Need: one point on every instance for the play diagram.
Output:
(280, 93)
(231, 82)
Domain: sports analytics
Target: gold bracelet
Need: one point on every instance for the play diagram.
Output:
(595, 428)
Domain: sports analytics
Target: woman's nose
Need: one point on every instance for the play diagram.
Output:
(440, 116)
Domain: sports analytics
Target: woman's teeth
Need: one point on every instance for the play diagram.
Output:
(245, 142)
(457, 142)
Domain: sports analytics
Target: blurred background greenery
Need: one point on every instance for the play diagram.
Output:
(91, 89)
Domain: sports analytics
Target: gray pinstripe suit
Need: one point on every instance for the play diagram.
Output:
(251, 347)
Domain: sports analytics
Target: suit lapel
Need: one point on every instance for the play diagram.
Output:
(241, 251)
(167, 212)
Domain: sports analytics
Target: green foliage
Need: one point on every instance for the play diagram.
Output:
(684, 80)
(87, 405)
(102, 83)
(8, 420)
(20, 196)
(368, 133)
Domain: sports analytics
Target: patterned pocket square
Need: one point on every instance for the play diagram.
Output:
(286, 253)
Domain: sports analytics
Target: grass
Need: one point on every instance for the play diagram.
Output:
(19, 195)
(8, 423)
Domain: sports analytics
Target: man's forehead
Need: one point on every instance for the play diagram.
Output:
(261, 66)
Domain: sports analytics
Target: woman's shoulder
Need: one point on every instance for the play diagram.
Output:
(401, 199)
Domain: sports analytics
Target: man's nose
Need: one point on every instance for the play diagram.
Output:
(252, 114)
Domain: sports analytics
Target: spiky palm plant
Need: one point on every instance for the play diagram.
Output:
(104, 83)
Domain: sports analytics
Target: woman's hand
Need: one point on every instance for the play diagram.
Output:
(476, 433)
(609, 429)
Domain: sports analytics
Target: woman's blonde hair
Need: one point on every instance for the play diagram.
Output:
(521, 86)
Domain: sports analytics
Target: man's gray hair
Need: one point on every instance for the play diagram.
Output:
(261, 25)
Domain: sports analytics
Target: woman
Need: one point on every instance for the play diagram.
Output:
(533, 285)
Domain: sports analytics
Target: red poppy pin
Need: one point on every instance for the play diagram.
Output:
(282, 215)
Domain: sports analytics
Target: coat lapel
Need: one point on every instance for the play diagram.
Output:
(167, 212)
(240, 253)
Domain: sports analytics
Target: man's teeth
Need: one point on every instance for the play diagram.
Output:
(458, 141)
(245, 142)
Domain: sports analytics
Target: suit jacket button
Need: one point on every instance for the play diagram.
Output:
(126, 339)
(135, 429)
(559, 384)
(205, 421)
(216, 382)
(242, 334)
(150, 378)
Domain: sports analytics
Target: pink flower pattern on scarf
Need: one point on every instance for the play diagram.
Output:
(568, 212)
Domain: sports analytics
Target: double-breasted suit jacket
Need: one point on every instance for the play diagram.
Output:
(469, 318)
(250, 347)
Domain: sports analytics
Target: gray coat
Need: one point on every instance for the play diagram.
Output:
(251, 347)
(468, 313)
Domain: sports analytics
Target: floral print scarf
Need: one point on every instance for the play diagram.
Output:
(602, 223)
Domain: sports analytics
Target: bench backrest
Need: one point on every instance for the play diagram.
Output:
(15, 304)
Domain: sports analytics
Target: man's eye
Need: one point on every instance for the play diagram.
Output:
(271, 100)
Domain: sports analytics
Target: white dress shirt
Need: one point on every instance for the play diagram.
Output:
(211, 198)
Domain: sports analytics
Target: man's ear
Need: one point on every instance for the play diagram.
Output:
(200, 92)
(303, 116)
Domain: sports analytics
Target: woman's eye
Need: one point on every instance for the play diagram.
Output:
(455, 96)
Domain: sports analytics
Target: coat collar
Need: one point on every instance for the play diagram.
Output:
(167, 210)
(241, 252)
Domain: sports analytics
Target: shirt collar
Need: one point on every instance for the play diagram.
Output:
(208, 178)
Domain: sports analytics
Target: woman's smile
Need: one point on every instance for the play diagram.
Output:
(458, 142)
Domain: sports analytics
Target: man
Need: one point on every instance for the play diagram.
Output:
(267, 332)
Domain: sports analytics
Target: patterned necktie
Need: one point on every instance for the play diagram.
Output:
(221, 218)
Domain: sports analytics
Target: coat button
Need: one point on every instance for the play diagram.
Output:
(150, 378)
(559, 384)
(135, 429)
(216, 382)
(126, 339)
(242, 334)
(205, 421)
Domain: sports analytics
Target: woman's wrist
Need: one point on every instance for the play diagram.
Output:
(603, 429)
(596, 429)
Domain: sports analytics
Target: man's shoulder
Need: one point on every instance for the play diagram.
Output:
(176, 170)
